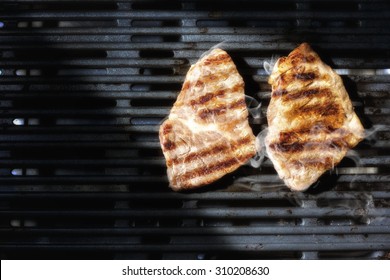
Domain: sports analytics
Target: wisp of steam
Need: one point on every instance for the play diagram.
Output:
(254, 108)
(261, 153)
(224, 45)
(268, 65)
(370, 133)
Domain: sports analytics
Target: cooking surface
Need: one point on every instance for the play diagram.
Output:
(85, 85)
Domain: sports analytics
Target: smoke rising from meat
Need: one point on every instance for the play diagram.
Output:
(261, 152)
(268, 65)
(222, 45)
(371, 133)
(254, 108)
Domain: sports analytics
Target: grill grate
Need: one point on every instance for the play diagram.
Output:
(84, 87)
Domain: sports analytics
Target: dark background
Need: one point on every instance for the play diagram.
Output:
(84, 86)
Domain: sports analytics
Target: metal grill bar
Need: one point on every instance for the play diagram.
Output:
(158, 161)
(196, 231)
(178, 15)
(188, 30)
(189, 48)
(280, 195)
(249, 247)
(242, 213)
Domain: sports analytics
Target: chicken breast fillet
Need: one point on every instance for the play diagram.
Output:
(207, 133)
(311, 120)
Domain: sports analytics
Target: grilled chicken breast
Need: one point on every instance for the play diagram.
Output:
(207, 133)
(311, 120)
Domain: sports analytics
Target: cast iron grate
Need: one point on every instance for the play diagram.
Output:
(84, 87)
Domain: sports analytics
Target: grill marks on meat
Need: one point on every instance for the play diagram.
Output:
(210, 151)
(310, 117)
(301, 94)
(207, 133)
(221, 109)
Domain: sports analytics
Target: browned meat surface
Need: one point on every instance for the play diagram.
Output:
(311, 120)
(207, 133)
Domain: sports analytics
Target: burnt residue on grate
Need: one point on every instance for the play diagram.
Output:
(84, 87)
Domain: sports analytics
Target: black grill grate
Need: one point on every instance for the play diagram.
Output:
(84, 86)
